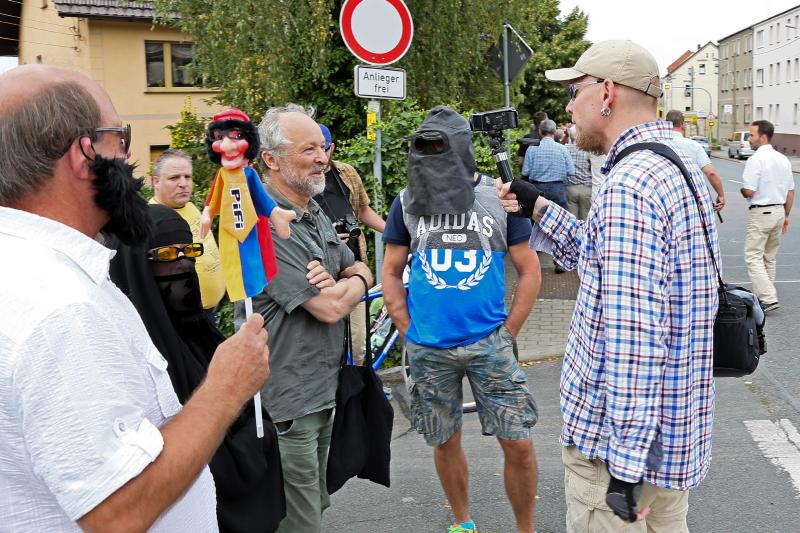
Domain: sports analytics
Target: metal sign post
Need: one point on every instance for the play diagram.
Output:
(377, 170)
(377, 33)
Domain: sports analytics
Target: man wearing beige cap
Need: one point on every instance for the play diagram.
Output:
(637, 396)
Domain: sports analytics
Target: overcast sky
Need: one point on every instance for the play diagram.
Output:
(670, 27)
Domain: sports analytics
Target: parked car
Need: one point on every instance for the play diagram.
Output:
(739, 147)
(702, 141)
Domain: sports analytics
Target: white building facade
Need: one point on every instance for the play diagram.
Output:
(776, 77)
(692, 83)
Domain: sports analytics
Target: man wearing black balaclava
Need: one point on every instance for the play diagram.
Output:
(77, 362)
(455, 322)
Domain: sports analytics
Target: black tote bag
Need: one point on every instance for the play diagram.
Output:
(362, 425)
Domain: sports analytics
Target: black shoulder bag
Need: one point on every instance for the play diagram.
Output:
(739, 325)
(362, 425)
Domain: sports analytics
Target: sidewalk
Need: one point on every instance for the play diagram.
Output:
(544, 333)
(723, 154)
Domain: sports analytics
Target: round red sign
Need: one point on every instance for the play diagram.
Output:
(377, 32)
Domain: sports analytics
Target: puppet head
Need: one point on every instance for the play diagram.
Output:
(231, 139)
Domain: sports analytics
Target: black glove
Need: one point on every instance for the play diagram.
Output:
(526, 195)
(621, 496)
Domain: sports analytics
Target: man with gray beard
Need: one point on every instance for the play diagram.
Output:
(317, 286)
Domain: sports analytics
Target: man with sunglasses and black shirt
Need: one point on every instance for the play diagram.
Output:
(94, 436)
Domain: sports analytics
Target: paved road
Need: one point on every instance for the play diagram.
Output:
(754, 484)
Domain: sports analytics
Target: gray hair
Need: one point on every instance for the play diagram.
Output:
(166, 155)
(41, 129)
(273, 141)
(547, 126)
(676, 117)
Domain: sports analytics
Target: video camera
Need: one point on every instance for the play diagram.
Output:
(496, 120)
(493, 123)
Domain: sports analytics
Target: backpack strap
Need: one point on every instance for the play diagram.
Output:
(668, 153)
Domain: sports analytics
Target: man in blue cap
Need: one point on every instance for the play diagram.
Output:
(346, 203)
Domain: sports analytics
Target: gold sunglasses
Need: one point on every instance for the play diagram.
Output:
(164, 254)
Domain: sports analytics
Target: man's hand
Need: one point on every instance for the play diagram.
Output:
(205, 222)
(785, 227)
(621, 496)
(358, 268)
(240, 365)
(518, 197)
(720, 203)
(318, 276)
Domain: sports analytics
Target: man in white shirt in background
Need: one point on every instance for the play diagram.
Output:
(698, 155)
(769, 190)
(93, 435)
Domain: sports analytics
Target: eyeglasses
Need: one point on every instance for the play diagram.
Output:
(124, 134)
(233, 134)
(164, 254)
(572, 88)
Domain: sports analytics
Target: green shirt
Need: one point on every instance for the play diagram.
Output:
(305, 353)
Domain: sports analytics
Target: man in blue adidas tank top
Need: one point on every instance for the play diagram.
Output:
(454, 319)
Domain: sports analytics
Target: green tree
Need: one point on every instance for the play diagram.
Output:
(267, 52)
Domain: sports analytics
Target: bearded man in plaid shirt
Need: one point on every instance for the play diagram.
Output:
(637, 388)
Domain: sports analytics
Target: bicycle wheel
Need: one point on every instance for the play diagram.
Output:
(466, 407)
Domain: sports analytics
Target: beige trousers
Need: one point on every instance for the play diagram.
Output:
(761, 250)
(585, 485)
(579, 200)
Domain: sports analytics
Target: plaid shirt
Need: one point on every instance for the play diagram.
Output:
(638, 362)
(583, 169)
(549, 161)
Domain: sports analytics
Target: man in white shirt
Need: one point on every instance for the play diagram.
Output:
(769, 190)
(172, 187)
(696, 152)
(94, 437)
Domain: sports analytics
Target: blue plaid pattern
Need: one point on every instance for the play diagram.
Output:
(583, 170)
(549, 161)
(638, 362)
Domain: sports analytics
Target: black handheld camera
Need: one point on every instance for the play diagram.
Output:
(493, 123)
(349, 226)
(497, 120)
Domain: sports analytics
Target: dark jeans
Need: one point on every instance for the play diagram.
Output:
(555, 191)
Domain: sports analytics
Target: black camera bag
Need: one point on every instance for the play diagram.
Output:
(739, 339)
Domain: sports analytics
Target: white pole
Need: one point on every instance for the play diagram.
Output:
(377, 170)
(248, 311)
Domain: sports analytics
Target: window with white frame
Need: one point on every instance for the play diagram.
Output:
(760, 77)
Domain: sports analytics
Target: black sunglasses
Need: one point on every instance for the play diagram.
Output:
(235, 134)
(572, 88)
(124, 134)
(165, 254)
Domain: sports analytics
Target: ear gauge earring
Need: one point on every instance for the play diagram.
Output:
(605, 112)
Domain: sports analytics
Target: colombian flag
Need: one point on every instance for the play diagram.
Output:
(245, 240)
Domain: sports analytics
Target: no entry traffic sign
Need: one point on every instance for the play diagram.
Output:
(377, 32)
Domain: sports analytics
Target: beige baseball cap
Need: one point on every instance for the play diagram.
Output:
(623, 62)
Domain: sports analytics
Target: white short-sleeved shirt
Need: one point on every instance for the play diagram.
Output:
(768, 173)
(83, 390)
(692, 149)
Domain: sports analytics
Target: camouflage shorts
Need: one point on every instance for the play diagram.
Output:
(506, 407)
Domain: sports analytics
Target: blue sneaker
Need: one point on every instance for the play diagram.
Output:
(463, 527)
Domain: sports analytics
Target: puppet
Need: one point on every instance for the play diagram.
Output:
(244, 207)
(245, 211)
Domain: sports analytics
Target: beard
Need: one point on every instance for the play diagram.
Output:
(117, 193)
(304, 184)
(590, 142)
